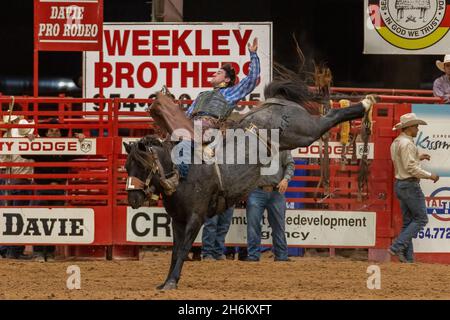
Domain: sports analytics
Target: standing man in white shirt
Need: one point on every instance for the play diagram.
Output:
(408, 172)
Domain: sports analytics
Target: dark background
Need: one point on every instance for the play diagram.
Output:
(329, 31)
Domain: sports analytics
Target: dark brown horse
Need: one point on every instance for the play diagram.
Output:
(204, 193)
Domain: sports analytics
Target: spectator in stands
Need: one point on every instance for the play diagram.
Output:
(408, 173)
(17, 252)
(215, 230)
(441, 86)
(269, 195)
(46, 253)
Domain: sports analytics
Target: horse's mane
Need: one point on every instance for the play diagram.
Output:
(138, 154)
(290, 85)
(296, 91)
(141, 155)
(152, 140)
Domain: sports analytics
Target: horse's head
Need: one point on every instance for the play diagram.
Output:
(149, 167)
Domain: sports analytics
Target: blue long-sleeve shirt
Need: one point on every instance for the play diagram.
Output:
(235, 93)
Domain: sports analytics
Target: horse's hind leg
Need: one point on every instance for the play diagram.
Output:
(185, 243)
(336, 116)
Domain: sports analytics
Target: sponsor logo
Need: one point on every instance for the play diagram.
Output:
(335, 151)
(86, 146)
(439, 209)
(411, 24)
(47, 146)
(42, 225)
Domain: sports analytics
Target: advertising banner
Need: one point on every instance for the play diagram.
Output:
(43, 225)
(44, 146)
(140, 58)
(68, 25)
(335, 151)
(434, 139)
(406, 26)
(303, 228)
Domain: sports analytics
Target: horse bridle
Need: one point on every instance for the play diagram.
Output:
(169, 181)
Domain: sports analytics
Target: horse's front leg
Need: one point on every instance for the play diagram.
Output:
(190, 232)
(178, 238)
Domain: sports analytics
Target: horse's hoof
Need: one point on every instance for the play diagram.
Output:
(169, 285)
(160, 287)
(369, 101)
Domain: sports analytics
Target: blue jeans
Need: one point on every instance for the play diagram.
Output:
(275, 203)
(3, 192)
(414, 212)
(15, 251)
(214, 231)
(44, 192)
(44, 250)
(3, 203)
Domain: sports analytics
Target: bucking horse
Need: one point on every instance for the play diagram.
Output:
(209, 189)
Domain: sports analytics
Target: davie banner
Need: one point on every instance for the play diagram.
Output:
(68, 25)
(140, 58)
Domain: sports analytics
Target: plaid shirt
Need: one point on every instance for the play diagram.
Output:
(244, 87)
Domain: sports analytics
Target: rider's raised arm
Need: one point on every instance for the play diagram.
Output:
(247, 84)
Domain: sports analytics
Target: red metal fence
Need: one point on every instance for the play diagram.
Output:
(97, 180)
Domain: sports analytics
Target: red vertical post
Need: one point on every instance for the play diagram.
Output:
(100, 89)
(35, 58)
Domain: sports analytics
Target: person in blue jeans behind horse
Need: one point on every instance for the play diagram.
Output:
(270, 195)
(213, 236)
(408, 172)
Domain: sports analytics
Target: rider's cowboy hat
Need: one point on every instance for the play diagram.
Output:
(408, 120)
(440, 64)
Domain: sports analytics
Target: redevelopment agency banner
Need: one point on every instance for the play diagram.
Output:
(434, 139)
(303, 228)
(406, 26)
(140, 58)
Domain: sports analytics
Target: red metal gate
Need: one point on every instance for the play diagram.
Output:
(98, 181)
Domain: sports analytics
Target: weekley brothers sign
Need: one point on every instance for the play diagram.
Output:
(140, 58)
(406, 26)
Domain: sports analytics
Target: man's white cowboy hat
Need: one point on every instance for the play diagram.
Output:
(408, 120)
(440, 64)
(22, 132)
(10, 118)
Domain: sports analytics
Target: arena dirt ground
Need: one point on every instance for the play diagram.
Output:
(304, 278)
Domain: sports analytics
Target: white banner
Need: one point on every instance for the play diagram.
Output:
(335, 150)
(434, 139)
(139, 58)
(303, 228)
(43, 225)
(406, 26)
(47, 146)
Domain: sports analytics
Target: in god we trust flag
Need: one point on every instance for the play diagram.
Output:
(406, 26)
